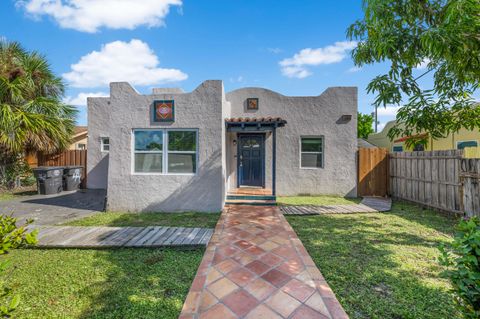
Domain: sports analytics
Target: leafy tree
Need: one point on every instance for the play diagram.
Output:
(442, 33)
(364, 125)
(32, 114)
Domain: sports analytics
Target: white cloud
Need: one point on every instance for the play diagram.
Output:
(380, 126)
(90, 15)
(81, 98)
(296, 66)
(354, 69)
(239, 79)
(132, 61)
(423, 65)
(388, 111)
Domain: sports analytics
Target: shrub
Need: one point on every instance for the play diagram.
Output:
(11, 237)
(462, 258)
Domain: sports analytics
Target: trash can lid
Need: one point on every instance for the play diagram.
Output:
(47, 168)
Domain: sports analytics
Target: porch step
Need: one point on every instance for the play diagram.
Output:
(252, 197)
(253, 202)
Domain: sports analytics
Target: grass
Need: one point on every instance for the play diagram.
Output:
(189, 219)
(316, 200)
(9, 195)
(121, 283)
(382, 265)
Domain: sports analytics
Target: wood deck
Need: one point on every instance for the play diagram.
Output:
(368, 205)
(109, 237)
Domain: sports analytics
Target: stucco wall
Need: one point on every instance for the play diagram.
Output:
(200, 109)
(99, 110)
(306, 116)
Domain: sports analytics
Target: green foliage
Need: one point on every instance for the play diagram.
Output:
(462, 257)
(11, 237)
(32, 114)
(441, 33)
(16, 167)
(364, 125)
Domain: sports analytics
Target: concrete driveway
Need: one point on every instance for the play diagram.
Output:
(55, 209)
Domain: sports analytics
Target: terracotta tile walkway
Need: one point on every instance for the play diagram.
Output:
(256, 267)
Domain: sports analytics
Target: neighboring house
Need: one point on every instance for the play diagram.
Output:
(79, 139)
(464, 138)
(175, 151)
(79, 142)
(362, 143)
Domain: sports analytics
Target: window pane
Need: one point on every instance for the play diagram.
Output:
(182, 141)
(181, 163)
(398, 148)
(311, 144)
(311, 160)
(106, 141)
(462, 145)
(148, 163)
(148, 140)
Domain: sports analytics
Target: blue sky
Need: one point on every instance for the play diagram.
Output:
(293, 47)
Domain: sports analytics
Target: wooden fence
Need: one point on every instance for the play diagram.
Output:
(66, 158)
(428, 178)
(372, 172)
(470, 178)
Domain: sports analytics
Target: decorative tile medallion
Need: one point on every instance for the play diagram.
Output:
(252, 104)
(164, 111)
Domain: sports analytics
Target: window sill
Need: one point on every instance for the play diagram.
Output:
(311, 168)
(164, 174)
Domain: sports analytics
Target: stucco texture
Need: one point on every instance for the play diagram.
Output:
(205, 110)
(126, 191)
(305, 116)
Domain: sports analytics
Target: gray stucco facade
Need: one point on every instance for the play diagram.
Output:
(205, 111)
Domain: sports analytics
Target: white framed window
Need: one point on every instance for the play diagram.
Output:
(311, 151)
(165, 151)
(81, 146)
(105, 144)
(462, 144)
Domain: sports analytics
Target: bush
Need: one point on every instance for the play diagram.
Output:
(11, 237)
(462, 257)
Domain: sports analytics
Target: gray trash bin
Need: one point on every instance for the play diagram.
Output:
(49, 179)
(72, 177)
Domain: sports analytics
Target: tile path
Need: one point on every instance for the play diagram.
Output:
(256, 267)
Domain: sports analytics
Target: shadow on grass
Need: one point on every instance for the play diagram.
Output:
(142, 283)
(381, 265)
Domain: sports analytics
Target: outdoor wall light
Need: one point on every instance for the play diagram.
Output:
(346, 117)
(234, 142)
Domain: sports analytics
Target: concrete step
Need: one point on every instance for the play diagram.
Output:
(253, 202)
(251, 197)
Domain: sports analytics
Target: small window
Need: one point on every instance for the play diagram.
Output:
(105, 144)
(311, 152)
(462, 145)
(81, 146)
(397, 148)
(148, 152)
(419, 148)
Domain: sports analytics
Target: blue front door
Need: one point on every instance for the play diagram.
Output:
(251, 158)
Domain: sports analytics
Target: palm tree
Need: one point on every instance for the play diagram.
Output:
(32, 114)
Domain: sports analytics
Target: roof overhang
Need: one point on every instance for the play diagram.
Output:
(254, 124)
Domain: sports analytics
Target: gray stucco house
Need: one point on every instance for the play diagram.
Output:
(176, 151)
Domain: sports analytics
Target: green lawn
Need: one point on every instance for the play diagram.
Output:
(316, 200)
(9, 195)
(121, 283)
(191, 219)
(382, 265)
